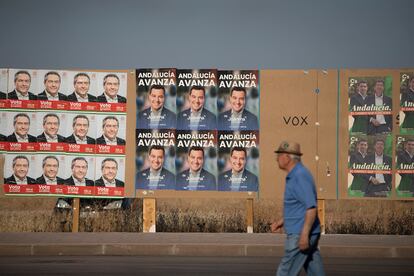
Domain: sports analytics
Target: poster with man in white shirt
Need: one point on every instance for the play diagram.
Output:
(380, 102)
(380, 181)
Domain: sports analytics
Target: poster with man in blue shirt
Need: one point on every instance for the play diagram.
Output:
(156, 99)
(238, 100)
(197, 99)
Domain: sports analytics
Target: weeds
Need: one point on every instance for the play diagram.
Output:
(208, 215)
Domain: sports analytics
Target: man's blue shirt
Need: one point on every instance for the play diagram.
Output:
(300, 195)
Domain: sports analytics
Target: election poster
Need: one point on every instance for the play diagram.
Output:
(155, 159)
(238, 161)
(196, 160)
(197, 130)
(404, 177)
(370, 105)
(56, 125)
(407, 103)
(370, 166)
(197, 99)
(238, 100)
(156, 99)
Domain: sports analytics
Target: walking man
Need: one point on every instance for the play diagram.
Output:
(300, 217)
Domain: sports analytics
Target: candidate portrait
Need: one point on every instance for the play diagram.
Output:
(156, 177)
(50, 166)
(51, 124)
(109, 170)
(379, 183)
(81, 83)
(238, 178)
(22, 81)
(79, 167)
(195, 178)
(359, 156)
(196, 117)
(407, 100)
(20, 168)
(110, 127)
(238, 117)
(157, 115)
(111, 88)
(405, 162)
(379, 123)
(21, 125)
(52, 83)
(359, 100)
(80, 126)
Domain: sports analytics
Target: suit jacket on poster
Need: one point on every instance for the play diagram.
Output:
(71, 140)
(43, 96)
(100, 183)
(42, 138)
(166, 180)
(207, 181)
(407, 179)
(387, 127)
(208, 120)
(360, 180)
(249, 121)
(101, 141)
(2, 96)
(13, 95)
(71, 182)
(249, 181)
(3, 138)
(72, 98)
(42, 180)
(374, 190)
(167, 121)
(408, 97)
(12, 180)
(102, 99)
(12, 138)
(360, 121)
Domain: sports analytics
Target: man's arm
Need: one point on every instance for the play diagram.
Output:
(310, 217)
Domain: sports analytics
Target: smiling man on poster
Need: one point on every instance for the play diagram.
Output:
(22, 81)
(111, 89)
(20, 166)
(52, 85)
(196, 117)
(21, 124)
(157, 115)
(196, 178)
(238, 117)
(238, 178)
(50, 165)
(156, 177)
(51, 123)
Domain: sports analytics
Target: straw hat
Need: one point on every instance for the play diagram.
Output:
(289, 147)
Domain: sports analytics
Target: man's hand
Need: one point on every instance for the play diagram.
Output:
(275, 226)
(375, 122)
(375, 181)
(303, 242)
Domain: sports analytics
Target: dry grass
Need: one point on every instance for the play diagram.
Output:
(370, 217)
(207, 215)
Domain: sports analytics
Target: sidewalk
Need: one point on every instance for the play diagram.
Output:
(196, 244)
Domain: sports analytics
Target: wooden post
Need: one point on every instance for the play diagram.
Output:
(149, 213)
(75, 215)
(249, 215)
(321, 214)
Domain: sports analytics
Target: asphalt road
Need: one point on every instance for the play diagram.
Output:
(136, 265)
